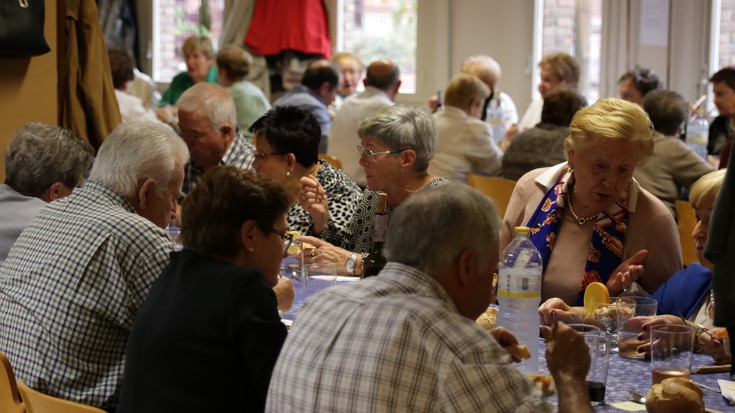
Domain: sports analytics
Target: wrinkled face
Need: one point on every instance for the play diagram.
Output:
(603, 169)
(269, 249)
(550, 82)
(197, 65)
(629, 92)
(381, 170)
(724, 99)
(273, 166)
(351, 76)
(700, 232)
(161, 209)
(206, 145)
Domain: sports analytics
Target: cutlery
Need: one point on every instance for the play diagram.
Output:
(722, 368)
(637, 397)
(707, 387)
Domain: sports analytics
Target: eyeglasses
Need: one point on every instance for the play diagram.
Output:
(263, 155)
(286, 236)
(371, 154)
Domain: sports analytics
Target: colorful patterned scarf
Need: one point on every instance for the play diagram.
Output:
(608, 239)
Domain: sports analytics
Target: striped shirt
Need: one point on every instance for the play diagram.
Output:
(394, 343)
(70, 290)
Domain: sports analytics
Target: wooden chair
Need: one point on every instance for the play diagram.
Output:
(686, 219)
(37, 402)
(9, 396)
(498, 189)
(333, 160)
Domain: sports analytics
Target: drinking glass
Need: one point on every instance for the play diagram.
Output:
(599, 347)
(671, 351)
(613, 316)
(628, 345)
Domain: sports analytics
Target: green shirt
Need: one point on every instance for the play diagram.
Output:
(180, 83)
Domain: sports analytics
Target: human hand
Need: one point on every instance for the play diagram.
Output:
(710, 344)
(626, 274)
(567, 355)
(507, 340)
(555, 309)
(313, 198)
(644, 324)
(325, 255)
(433, 103)
(285, 294)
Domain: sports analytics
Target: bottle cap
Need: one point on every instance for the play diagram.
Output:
(522, 231)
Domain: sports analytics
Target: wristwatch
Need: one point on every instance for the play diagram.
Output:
(350, 264)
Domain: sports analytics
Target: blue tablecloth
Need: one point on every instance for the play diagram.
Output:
(628, 374)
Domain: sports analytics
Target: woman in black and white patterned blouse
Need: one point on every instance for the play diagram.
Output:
(397, 144)
(286, 142)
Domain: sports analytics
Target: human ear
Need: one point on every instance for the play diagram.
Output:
(467, 267)
(144, 191)
(247, 238)
(53, 192)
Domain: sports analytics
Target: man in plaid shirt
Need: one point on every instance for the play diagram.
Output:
(406, 340)
(208, 123)
(75, 279)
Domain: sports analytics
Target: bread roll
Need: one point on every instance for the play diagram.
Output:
(675, 395)
(488, 318)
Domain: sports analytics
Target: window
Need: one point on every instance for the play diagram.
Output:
(725, 50)
(173, 22)
(574, 27)
(381, 29)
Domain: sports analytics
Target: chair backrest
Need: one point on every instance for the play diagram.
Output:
(37, 402)
(333, 160)
(498, 189)
(686, 219)
(9, 397)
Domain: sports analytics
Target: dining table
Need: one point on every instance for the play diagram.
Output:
(624, 374)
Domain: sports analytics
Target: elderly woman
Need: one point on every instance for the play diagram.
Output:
(212, 313)
(688, 293)
(397, 144)
(634, 85)
(287, 139)
(199, 57)
(590, 219)
(558, 71)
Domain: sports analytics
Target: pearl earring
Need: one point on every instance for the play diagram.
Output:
(250, 250)
(288, 173)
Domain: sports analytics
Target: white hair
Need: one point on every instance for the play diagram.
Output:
(135, 151)
(214, 102)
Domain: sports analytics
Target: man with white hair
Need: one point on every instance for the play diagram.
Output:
(488, 70)
(208, 123)
(76, 277)
(406, 340)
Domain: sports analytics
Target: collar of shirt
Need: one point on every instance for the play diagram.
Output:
(417, 282)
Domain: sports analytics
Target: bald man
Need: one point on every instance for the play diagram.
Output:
(382, 82)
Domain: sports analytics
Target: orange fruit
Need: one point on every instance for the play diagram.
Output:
(595, 293)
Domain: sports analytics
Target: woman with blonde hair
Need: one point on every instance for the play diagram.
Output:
(590, 219)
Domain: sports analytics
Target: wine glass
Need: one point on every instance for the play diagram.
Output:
(613, 316)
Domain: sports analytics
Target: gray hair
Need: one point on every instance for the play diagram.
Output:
(667, 110)
(135, 151)
(40, 155)
(422, 220)
(213, 101)
(403, 127)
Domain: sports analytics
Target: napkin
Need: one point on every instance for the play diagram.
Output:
(728, 390)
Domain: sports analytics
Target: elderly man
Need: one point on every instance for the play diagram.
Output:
(316, 92)
(673, 165)
(42, 163)
(381, 87)
(208, 122)
(406, 340)
(465, 143)
(76, 277)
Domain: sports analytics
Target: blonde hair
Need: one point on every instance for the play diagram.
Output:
(464, 89)
(612, 118)
(235, 61)
(565, 67)
(704, 192)
(202, 43)
(348, 56)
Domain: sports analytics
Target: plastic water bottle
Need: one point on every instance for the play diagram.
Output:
(519, 294)
(495, 119)
(698, 133)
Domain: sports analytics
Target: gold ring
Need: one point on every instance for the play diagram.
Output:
(313, 252)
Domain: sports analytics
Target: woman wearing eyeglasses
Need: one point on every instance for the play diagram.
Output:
(209, 324)
(396, 146)
(286, 143)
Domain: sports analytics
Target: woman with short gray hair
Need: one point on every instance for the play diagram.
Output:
(397, 145)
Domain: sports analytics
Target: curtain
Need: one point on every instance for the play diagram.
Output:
(615, 48)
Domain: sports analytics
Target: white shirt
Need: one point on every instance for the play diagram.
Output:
(132, 109)
(465, 145)
(343, 139)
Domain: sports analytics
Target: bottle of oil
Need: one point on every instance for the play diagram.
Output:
(374, 261)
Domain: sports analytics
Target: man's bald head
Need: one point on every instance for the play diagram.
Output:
(382, 74)
(484, 67)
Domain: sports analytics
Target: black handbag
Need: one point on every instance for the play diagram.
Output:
(21, 28)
